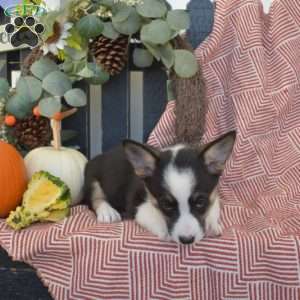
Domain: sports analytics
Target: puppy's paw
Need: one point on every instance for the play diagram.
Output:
(107, 214)
(213, 229)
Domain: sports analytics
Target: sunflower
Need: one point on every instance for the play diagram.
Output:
(58, 40)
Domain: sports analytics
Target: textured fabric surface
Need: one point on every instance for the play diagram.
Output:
(251, 63)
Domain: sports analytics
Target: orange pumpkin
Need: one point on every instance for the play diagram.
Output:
(13, 179)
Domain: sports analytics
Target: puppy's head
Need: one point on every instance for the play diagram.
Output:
(182, 180)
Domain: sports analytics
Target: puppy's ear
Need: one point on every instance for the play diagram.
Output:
(142, 158)
(216, 154)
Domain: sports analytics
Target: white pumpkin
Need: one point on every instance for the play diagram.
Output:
(65, 163)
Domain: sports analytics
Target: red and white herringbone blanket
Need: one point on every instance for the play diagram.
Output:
(251, 63)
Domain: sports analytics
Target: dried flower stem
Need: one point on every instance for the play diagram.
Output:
(56, 127)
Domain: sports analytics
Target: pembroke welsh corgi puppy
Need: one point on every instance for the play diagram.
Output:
(172, 192)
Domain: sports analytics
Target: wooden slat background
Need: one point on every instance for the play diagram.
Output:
(118, 101)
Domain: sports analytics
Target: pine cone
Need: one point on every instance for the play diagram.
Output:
(111, 55)
(33, 132)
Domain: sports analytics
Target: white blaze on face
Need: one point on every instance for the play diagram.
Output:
(180, 183)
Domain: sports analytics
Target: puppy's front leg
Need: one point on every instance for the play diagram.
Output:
(212, 219)
(104, 211)
(149, 217)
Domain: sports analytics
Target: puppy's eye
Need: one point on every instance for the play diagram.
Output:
(199, 205)
(199, 201)
(168, 203)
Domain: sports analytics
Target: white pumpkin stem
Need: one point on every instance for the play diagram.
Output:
(56, 130)
(56, 127)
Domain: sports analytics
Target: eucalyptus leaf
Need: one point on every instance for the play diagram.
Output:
(153, 49)
(50, 106)
(67, 66)
(167, 55)
(178, 19)
(90, 26)
(4, 88)
(108, 3)
(100, 76)
(118, 5)
(156, 32)
(43, 67)
(75, 53)
(151, 8)
(78, 66)
(76, 97)
(18, 106)
(142, 58)
(131, 25)
(174, 33)
(30, 88)
(186, 65)
(57, 83)
(169, 6)
(74, 78)
(86, 72)
(109, 31)
(122, 15)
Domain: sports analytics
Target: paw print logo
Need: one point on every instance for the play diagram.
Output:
(24, 31)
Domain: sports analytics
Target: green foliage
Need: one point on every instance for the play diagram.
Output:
(76, 40)
(57, 83)
(50, 106)
(109, 31)
(43, 67)
(152, 8)
(75, 54)
(100, 76)
(18, 106)
(151, 23)
(167, 55)
(90, 26)
(130, 25)
(76, 97)
(156, 32)
(30, 88)
(86, 72)
(108, 3)
(186, 65)
(178, 19)
(153, 49)
(142, 58)
(122, 14)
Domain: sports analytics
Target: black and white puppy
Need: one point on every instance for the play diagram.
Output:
(171, 193)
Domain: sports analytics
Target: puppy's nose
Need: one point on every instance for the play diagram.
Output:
(186, 239)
